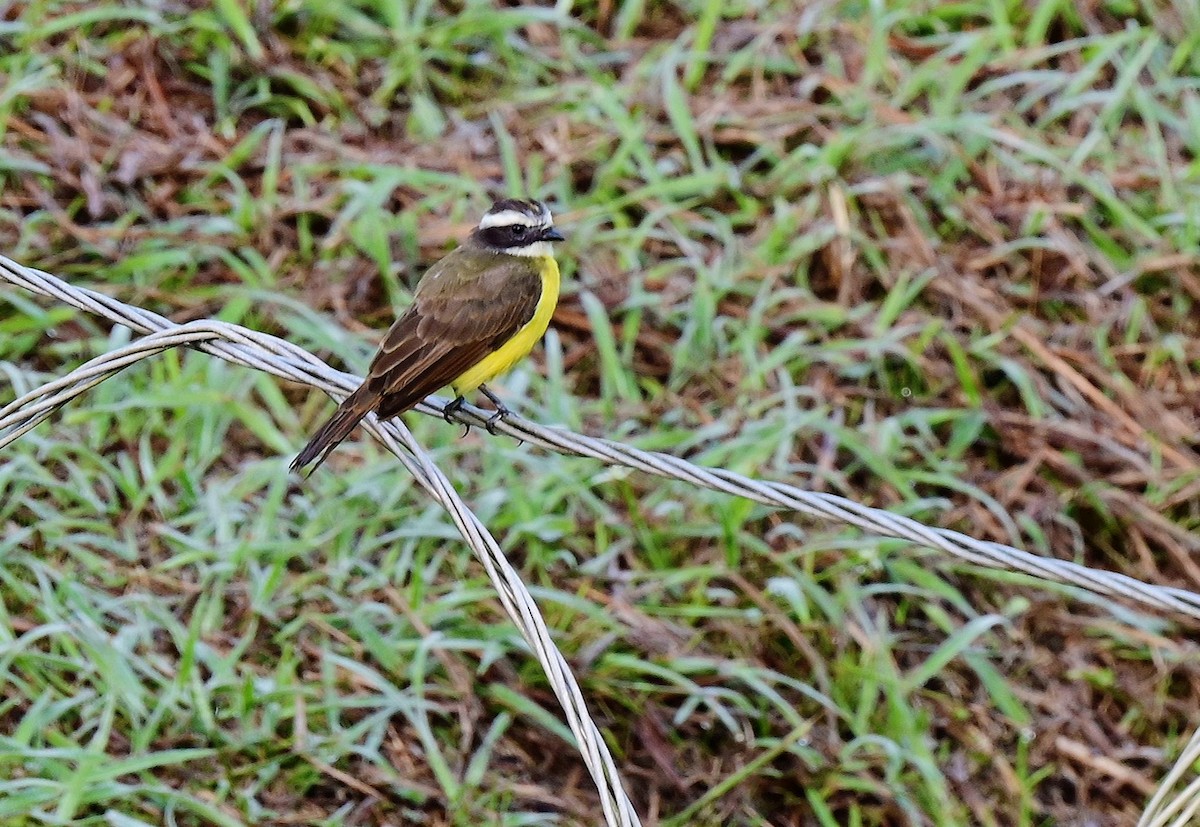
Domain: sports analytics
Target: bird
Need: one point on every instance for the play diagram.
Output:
(475, 313)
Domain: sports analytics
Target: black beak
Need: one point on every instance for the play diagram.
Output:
(552, 234)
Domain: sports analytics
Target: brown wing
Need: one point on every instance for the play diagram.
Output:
(453, 323)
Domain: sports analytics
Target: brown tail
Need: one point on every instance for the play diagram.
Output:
(339, 426)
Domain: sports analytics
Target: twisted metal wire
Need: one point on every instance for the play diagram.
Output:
(281, 358)
(984, 553)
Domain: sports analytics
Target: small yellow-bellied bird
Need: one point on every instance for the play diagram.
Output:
(475, 314)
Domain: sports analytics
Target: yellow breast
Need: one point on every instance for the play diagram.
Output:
(518, 347)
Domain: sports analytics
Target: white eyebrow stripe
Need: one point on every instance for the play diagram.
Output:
(509, 218)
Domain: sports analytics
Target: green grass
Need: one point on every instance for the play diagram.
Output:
(892, 251)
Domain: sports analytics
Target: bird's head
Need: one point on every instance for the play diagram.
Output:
(518, 228)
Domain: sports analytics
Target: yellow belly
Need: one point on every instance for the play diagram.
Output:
(518, 347)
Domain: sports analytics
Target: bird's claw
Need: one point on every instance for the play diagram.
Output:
(452, 408)
(501, 410)
(498, 416)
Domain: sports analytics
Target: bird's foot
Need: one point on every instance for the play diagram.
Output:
(491, 421)
(452, 408)
(501, 410)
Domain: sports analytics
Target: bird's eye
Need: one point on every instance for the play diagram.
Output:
(519, 231)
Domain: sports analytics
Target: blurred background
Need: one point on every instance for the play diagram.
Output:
(941, 258)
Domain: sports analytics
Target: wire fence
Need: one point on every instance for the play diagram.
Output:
(282, 359)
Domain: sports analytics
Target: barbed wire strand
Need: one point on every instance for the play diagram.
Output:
(281, 358)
